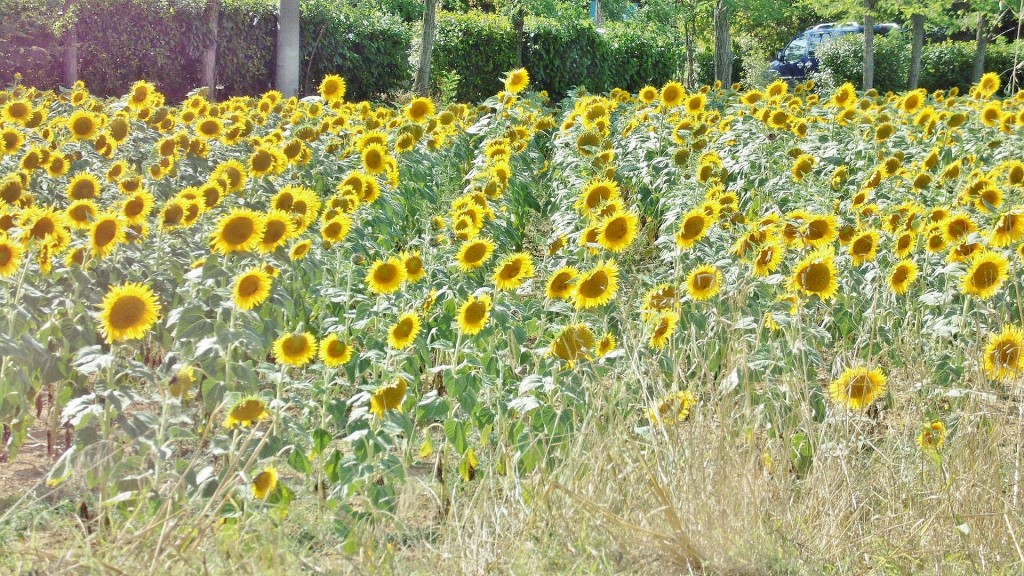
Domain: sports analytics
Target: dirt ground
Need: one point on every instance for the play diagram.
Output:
(27, 471)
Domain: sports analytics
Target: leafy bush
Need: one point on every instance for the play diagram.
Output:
(639, 55)
(28, 44)
(946, 64)
(367, 48)
(704, 66)
(480, 47)
(562, 55)
(842, 59)
(247, 38)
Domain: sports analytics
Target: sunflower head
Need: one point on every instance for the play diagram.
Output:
(404, 332)
(128, 311)
(517, 80)
(334, 351)
(858, 387)
(1004, 354)
(573, 343)
(246, 411)
(388, 397)
(473, 314)
(513, 271)
(597, 286)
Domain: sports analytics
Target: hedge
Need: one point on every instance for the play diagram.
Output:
(162, 41)
(943, 64)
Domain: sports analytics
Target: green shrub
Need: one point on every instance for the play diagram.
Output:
(639, 55)
(704, 66)
(946, 64)
(561, 56)
(246, 40)
(480, 47)
(842, 60)
(28, 44)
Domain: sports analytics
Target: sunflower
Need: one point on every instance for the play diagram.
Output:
(662, 328)
(81, 213)
(820, 231)
(816, 274)
(404, 332)
(858, 387)
(905, 244)
(802, 167)
(511, 272)
(389, 397)
(573, 343)
(295, 349)
(141, 95)
(246, 411)
(181, 382)
(107, 232)
(985, 275)
(598, 286)
(300, 249)
(768, 258)
(420, 109)
(704, 282)
(137, 206)
(83, 186)
(561, 285)
(647, 94)
(252, 288)
(10, 256)
(332, 88)
(334, 352)
(864, 246)
(128, 311)
(606, 345)
(517, 80)
(617, 231)
(1004, 354)
(386, 276)
(673, 408)
(988, 85)
(672, 94)
(233, 172)
(1009, 229)
(336, 229)
(932, 436)
(375, 159)
(473, 314)
(694, 226)
(83, 125)
(413, 262)
(238, 231)
(264, 483)
(902, 276)
(278, 228)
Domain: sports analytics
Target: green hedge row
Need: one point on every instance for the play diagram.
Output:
(943, 65)
(559, 55)
(162, 41)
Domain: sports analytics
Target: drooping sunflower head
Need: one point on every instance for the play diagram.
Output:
(932, 436)
(295, 349)
(128, 311)
(1004, 354)
(675, 407)
(858, 387)
(573, 343)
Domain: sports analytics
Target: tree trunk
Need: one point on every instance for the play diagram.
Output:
(209, 65)
(688, 33)
(869, 45)
(288, 54)
(723, 43)
(979, 49)
(70, 68)
(422, 85)
(518, 24)
(916, 45)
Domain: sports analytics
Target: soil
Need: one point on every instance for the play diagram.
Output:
(27, 471)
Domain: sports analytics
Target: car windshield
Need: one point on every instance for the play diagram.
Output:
(796, 49)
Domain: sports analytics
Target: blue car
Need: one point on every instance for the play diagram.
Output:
(797, 60)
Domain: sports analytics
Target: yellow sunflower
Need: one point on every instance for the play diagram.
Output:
(404, 332)
(389, 397)
(704, 282)
(473, 314)
(83, 186)
(606, 345)
(264, 483)
(598, 286)
(128, 311)
(673, 408)
(1004, 354)
(902, 276)
(513, 271)
(300, 249)
(106, 234)
(662, 328)
(858, 387)
(375, 159)
(334, 351)
(864, 246)
(596, 194)
(420, 109)
(1008, 230)
(332, 88)
(10, 256)
(517, 80)
(816, 274)
(672, 94)
(561, 285)
(768, 258)
(278, 228)
(985, 275)
(295, 349)
(252, 288)
(573, 343)
(413, 261)
(386, 277)
(932, 436)
(694, 226)
(238, 231)
(246, 411)
(617, 231)
(336, 229)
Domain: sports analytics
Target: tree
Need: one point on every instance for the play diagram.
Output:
(986, 11)
(70, 55)
(869, 44)
(422, 84)
(723, 42)
(288, 54)
(209, 63)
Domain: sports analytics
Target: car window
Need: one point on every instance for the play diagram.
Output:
(815, 40)
(796, 50)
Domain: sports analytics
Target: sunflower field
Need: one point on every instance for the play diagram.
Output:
(217, 311)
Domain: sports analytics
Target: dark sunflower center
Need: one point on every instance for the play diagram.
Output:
(595, 285)
(238, 230)
(986, 275)
(127, 312)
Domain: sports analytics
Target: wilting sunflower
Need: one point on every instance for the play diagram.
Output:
(932, 436)
(617, 231)
(128, 311)
(404, 332)
(295, 349)
(858, 387)
(473, 314)
(413, 261)
(334, 352)
(386, 277)
(264, 483)
(694, 226)
(181, 382)
(389, 397)
(704, 282)
(768, 258)
(10, 256)
(864, 246)
(673, 408)
(517, 80)
(662, 328)
(246, 411)
(902, 276)
(816, 274)
(662, 297)
(573, 343)
(513, 271)
(332, 88)
(598, 286)
(238, 231)
(106, 234)
(561, 284)
(252, 288)
(985, 275)
(1004, 354)
(1008, 229)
